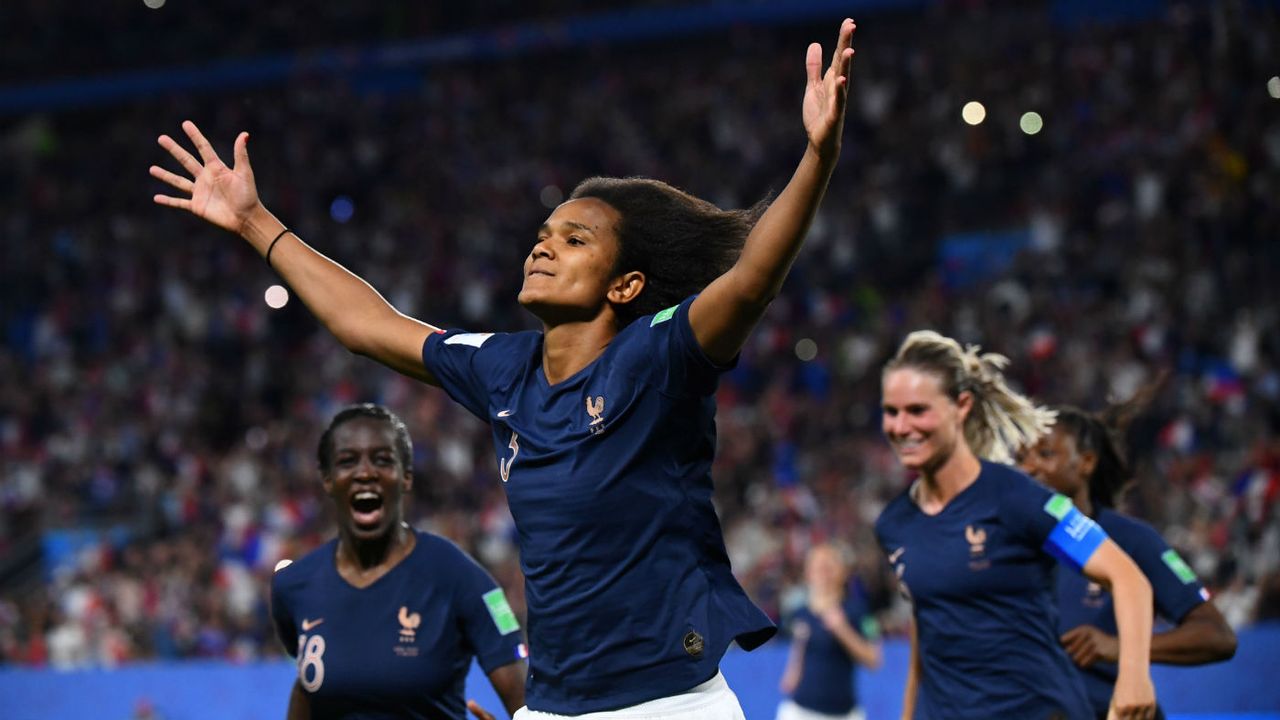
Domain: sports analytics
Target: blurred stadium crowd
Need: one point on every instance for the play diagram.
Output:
(145, 386)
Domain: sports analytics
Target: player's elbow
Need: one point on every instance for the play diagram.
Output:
(1224, 643)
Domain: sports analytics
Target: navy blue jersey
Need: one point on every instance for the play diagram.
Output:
(1082, 602)
(827, 675)
(980, 577)
(608, 476)
(401, 647)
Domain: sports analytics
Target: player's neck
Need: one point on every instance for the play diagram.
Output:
(569, 347)
(362, 562)
(939, 485)
(1083, 503)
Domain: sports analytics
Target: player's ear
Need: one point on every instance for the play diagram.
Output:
(326, 481)
(406, 483)
(626, 287)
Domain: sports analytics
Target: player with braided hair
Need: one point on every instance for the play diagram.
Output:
(974, 541)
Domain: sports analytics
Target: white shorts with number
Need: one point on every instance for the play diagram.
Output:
(712, 700)
(788, 710)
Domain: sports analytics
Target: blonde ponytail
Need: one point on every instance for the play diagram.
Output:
(1002, 421)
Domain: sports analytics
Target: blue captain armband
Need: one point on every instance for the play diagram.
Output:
(1076, 536)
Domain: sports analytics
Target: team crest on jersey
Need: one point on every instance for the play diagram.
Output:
(409, 623)
(595, 408)
(977, 539)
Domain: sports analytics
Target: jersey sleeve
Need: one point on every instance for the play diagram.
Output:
(673, 355)
(488, 623)
(464, 364)
(1050, 521)
(1174, 584)
(282, 618)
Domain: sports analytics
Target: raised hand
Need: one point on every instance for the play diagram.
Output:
(225, 196)
(826, 93)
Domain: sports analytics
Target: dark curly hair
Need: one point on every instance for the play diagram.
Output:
(680, 242)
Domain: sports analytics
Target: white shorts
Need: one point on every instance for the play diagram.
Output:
(788, 710)
(712, 700)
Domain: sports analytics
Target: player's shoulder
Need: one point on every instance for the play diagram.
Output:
(1008, 484)
(1129, 532)
(292, 574)
(895, 513)
(504, 342)
(438, 552)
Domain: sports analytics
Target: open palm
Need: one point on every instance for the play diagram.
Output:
(225, 196)
(826, 93)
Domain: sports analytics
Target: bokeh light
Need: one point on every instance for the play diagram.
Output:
(1031, 122)
(974, 112)
(276, 296)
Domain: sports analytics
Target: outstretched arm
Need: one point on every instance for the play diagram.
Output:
(724, 314)
(353, 311)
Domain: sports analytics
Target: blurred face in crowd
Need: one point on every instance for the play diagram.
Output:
(367, 479)
(569, 274)
(824, 571)
(1057, 462)
(922, 424)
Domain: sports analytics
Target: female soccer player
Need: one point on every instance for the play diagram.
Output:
(1081, 458)
(604, 422)
(831, 635)
(384, 620)
(973, 542)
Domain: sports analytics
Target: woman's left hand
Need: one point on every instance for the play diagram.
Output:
(826, 94)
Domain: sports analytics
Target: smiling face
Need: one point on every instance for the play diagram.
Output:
(570, 273)
(1057, 462)
(367, 479)
(922, 423)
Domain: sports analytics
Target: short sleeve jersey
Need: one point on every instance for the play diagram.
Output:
(607, 474)
(827, 681)
(400, 648)
(1174, 586)
(980, 577)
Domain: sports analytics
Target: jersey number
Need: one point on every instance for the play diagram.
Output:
(504, 465)
(311, 654)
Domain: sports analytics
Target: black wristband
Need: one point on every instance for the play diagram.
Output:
(272, 246)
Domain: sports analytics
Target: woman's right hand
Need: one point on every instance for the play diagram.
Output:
(1134, 697)
(225, 196)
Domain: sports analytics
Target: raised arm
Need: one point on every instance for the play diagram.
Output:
(724, 314)
(1134, 695)
(349, 307)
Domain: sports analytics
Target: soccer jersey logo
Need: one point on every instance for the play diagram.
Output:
(977, 539)
(595, 408)
(408, 624)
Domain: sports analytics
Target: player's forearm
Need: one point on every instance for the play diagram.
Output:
(344, 303)
(776, 239)
(1132, 595)
(914, 670)
(1202, 637)
(299, 704)
(863, 652)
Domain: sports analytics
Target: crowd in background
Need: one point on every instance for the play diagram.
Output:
(146, 386)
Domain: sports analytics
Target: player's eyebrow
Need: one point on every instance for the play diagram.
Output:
(573, 224)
